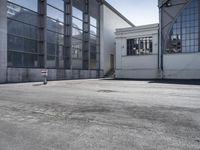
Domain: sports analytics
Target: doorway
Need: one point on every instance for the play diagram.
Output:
(112, 60)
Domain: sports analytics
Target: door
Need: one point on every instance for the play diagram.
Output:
(112, 61)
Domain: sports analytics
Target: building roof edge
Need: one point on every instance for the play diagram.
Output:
(117, 12)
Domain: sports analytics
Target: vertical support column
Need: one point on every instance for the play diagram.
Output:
(68, 34)
(98, 65)
(3, 41)
(160, 50)
(102, 50)
(86, 37)
(42, 6)
(199, 26)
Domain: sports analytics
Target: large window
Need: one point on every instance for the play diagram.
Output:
(24, 46)
(94, 35)
(184, 35)
(77, 33)
(55, 34)
(30, 4)
(67, 37)
(139, 46)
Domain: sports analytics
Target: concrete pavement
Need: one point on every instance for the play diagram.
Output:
(100, 115)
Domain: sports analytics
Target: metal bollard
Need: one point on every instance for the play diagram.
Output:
(45, 80)
(44, 74)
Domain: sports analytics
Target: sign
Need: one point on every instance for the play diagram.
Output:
(44, 72)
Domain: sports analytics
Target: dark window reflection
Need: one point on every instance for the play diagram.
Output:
(24, 48)
(184, 37)
(30, 4)
(139, 46)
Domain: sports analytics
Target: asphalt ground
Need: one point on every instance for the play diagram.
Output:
(100, 115)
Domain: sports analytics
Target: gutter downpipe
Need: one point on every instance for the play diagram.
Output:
(160, 59)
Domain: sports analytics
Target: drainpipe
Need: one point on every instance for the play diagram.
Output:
(160, 55)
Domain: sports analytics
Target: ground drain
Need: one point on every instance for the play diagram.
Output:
(197, 141)
(106, 91)
(39, 84)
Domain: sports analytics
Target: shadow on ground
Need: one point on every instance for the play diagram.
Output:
(161, 81)
(184, 82)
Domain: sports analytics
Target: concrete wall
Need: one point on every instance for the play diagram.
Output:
(27, 75)
(3, 40)
(140, 66)
(182, 66)
(110, 21)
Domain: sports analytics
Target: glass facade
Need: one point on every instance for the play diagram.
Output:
(77, 33)
(184, 35)
(55, 34)
(94, 35)
(24, 49)
(139, 46)
(70, 33)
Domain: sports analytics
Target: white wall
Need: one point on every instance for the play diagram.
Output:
(136, 67)
(182, 66)
(110, 21)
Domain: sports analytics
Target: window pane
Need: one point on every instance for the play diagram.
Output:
(55, 38)
(93, 21)
(30, 4)
(30, 32)
(30, 60)
(18, 28)
(76, 33)
(79, 4)
(76, 44)
(57, 3)
(77, 23)
(30, 46)
(51, 49)
(93, 47)
(21, 14)
(93, 30)
(51, 61)
(55, 14)
(94, 9)
(77, 13)
(139, 46)
(15, 43)
(55, 26)
(15, 27)
(17, 59)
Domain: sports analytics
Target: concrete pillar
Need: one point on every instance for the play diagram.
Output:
(3, 40)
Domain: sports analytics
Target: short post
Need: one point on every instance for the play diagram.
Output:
(44, 74)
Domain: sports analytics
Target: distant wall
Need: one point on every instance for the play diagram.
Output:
(110, 21)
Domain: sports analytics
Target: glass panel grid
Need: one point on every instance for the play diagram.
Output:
(184, 35)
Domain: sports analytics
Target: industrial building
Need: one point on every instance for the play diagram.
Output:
(72, 39)
(170, 50)
(76, 39)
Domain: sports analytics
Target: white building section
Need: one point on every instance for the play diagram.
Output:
(137, 52)
(110, 20)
